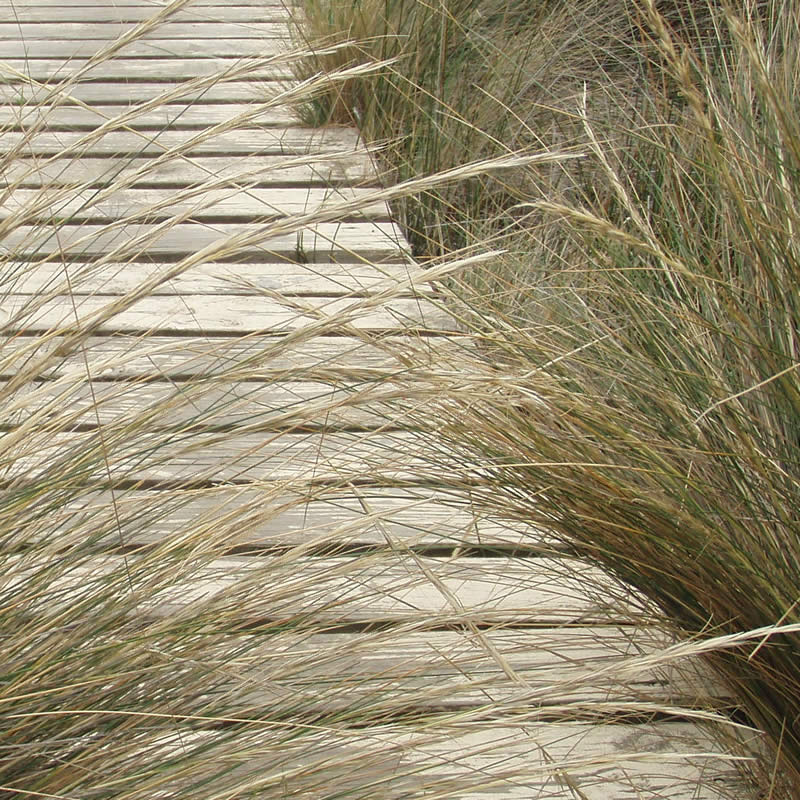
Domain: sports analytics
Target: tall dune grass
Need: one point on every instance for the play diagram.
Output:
(424, 108)
(149, 649)
(636, 393)
(472, 79)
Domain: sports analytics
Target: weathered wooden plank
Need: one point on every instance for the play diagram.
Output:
(100, 93)
(245, 141)
(329, 170)
(364, 589)
(176, 117)
(111, 12)
(290, 280)
(123, 357)
(156, 457)
(109, 31)
(479, 760)
(377, 242)
(551, 761)
(267, 406)
(180, 48)
(229, 204)
(456, 670)
(136, 69)
(244, 517)
(218, 314)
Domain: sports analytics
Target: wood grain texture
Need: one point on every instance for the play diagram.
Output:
(263, 141)
(247, 517)
(520, 761)
(224, 457)
(458, 670)
(377, 242)
(259, 357)
(232, 89)
(224, 315)
(200, 203)
(229, 403)
(261, 279)
(177, 116)
(109, 31)
(547, 761)
(136, 69)
(159, 48)
(352, 167)
(359, 590)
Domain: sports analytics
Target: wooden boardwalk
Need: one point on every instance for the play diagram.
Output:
(147, 169)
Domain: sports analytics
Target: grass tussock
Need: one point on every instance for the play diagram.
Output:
(423, 107)
(173, 601)
(475, 79)
(636, 393)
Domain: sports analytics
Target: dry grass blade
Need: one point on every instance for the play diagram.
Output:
(634, 389)
(196, 600)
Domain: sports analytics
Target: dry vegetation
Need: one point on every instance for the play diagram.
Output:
(638, 402)
(145, 655)
(638, 395)
(115, 682)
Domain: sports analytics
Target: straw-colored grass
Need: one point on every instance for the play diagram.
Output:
(638, 392)
(421, 106)
(141, 665)
(104, 692)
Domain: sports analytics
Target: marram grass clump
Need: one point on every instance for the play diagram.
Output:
(149, 649)
(443, 93)
(635, 385)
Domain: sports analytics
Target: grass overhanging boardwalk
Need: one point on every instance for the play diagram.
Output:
(149, 170)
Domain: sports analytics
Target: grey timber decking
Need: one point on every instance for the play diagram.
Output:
(208, 165)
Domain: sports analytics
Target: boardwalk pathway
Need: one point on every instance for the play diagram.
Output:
(236, 339)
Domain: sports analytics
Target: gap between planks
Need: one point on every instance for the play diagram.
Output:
(351, 242)
(25, 15)
(110, 31)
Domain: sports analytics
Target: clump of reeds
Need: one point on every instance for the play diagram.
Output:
(473, 79)
(155, 641)
(424, 105)
(643, 404)
(636, 392)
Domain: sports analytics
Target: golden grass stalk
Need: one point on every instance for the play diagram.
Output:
(171, 589)
(634, 389)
